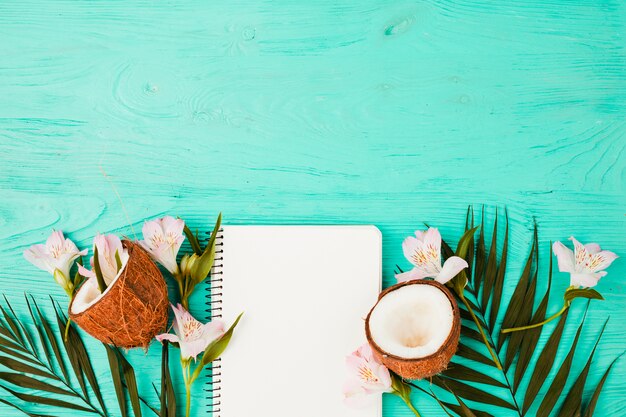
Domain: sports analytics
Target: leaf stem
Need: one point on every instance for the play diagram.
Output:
(495, 358)
(532, 326)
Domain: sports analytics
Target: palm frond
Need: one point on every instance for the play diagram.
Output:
(167, 395)
(36, 371)
(474, 380)
(43, 373)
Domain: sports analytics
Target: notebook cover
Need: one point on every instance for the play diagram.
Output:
(304, 291)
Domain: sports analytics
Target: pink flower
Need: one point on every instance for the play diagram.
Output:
(108, 246)
(424, 252)
(367, 376)
(162, 240)
(56, 256)
(585, 264)
(192, 336)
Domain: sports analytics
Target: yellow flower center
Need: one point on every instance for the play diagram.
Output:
(367, 374)
(425, 256)
(192, 329)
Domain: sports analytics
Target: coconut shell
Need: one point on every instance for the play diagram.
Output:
(427, 366)
(133, 309)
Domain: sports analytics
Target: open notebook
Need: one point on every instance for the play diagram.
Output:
(305, 291)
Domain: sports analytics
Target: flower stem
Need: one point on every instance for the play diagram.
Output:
(482, 332)
(67, 328)
(185, 301)
(402, 389)
(188, 403)
(407, 401)
(532, 326)
(188, 381)
(182, 290)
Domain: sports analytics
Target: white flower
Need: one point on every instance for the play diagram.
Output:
(56, 256)
(424, 252)
(367, 378)
(108, 246)
(192, 336)
(162, 240)
(585, 264)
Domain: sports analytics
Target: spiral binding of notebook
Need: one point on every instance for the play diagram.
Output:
(214, 311)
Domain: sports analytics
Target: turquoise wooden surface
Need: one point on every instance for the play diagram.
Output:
(391, 113)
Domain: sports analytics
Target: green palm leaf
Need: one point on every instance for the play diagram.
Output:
(490, 269)
(117, 377)
(38, 365)
(499, 279)
(544, 364)
(17, 407)
(558, 383)
(477, 381)
(596, 393)
(30, 398)
(167, 395)
(79, 357)
(29, 382)
(531, 337)
(573, 400)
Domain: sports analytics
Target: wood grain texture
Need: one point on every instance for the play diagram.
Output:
(384, 112)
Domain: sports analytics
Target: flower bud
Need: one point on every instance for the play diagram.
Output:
(62, 280)
(202, 265)
(187, 263)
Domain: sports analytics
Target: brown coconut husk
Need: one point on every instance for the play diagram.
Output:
(134, 308)
(429, 365)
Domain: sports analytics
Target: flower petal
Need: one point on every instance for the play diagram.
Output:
(564, 256)
(172, 226)
(213, 330)
(384, 377)
(365, 352)
(38, 256)
(451, 268)
(581, 257)
(85, 272)
(354, 362)
(355, 395)
(190, 350)
(151, 230)
(415, 273)
(169, 337)
(162, 247)
(424, 255)
(56, 240)
(409, 247)
(589, 279)
(106, 256)
(602, 260)
(592, 248)
(432, 239)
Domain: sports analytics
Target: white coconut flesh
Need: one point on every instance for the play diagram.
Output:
(412, 322)
(89, 293)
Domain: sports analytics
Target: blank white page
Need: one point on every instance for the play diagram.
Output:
(304, 291)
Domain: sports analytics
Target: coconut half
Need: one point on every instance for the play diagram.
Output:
(133, 308)
(414, 328)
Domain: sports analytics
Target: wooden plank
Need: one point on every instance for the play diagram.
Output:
(392, 113)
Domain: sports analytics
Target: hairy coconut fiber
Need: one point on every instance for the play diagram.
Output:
(133, 309)
(419, 368)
